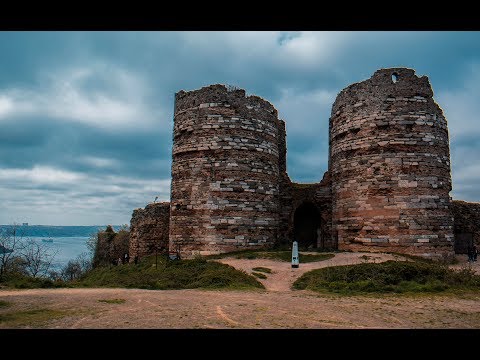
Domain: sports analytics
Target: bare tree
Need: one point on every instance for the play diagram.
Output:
(10, 242)
(76, 268)
(85, 262)
(55, 275)
(71, 271)
(92, 243)
(36, 258)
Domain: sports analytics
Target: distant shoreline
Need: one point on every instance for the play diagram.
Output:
(56, 230)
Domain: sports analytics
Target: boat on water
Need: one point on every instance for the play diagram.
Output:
(47, 240)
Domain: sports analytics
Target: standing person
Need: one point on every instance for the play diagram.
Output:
(475, 252)
(127, 258)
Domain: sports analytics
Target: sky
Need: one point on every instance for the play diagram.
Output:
(86, 118)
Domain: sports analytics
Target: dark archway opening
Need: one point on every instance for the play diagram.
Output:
(306, 225)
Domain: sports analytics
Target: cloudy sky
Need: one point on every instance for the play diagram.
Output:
(86, 117)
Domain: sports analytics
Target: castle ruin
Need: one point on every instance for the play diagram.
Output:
(386, 189)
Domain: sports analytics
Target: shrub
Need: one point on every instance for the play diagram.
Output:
(390, 276)
(181, 274)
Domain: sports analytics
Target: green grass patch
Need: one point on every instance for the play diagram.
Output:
(259, 275)
(112, 301)
(180, 274)
(34, 317)
(388, 277)
(18, 281)
(262, 269)
(273, 255)
(4, 304)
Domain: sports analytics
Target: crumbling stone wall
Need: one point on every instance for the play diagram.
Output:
(225, 171)
(386, 189)
(390, 167)
(466, 217)
(149, 230)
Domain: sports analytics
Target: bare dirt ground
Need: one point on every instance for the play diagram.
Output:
(464, 264)
(283, 275)
(276, 307)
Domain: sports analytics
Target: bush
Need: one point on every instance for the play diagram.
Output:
(108, 246)
(390, 276)
(181, 274)
(20, 281)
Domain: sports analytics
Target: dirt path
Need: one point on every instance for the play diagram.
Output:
(190, 309)
(283, 275)
(276, 307)
(464, 264)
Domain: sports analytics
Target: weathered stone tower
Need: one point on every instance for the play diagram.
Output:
(225, 171)
(386, 189)
(390, 167)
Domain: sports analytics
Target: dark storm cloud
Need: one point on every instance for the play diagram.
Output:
(80, 148)
(86, 117)
(24, 53)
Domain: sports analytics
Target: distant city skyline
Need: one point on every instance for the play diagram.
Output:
(86, 118)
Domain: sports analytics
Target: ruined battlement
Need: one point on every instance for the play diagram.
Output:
(390, 167)
(393, 84)
(225, 171)
(219, 95)
(149, 230)
(386, 189)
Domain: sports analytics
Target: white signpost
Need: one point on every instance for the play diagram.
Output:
(295, 260)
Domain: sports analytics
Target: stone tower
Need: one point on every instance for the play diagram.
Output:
(225, 171)
(390, 166)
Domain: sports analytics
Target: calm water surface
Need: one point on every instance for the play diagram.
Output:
(68, 247)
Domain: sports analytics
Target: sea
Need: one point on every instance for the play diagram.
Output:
(66, 248)
(68, 242)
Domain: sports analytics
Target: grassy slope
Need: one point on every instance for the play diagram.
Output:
(32, 317)
(26, 282)
(184, 274)
(390, 276)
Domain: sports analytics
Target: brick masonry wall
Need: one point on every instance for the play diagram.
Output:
(387, 188)
(466, 217)
(390, 167)
(149, 229)
(225, 171)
